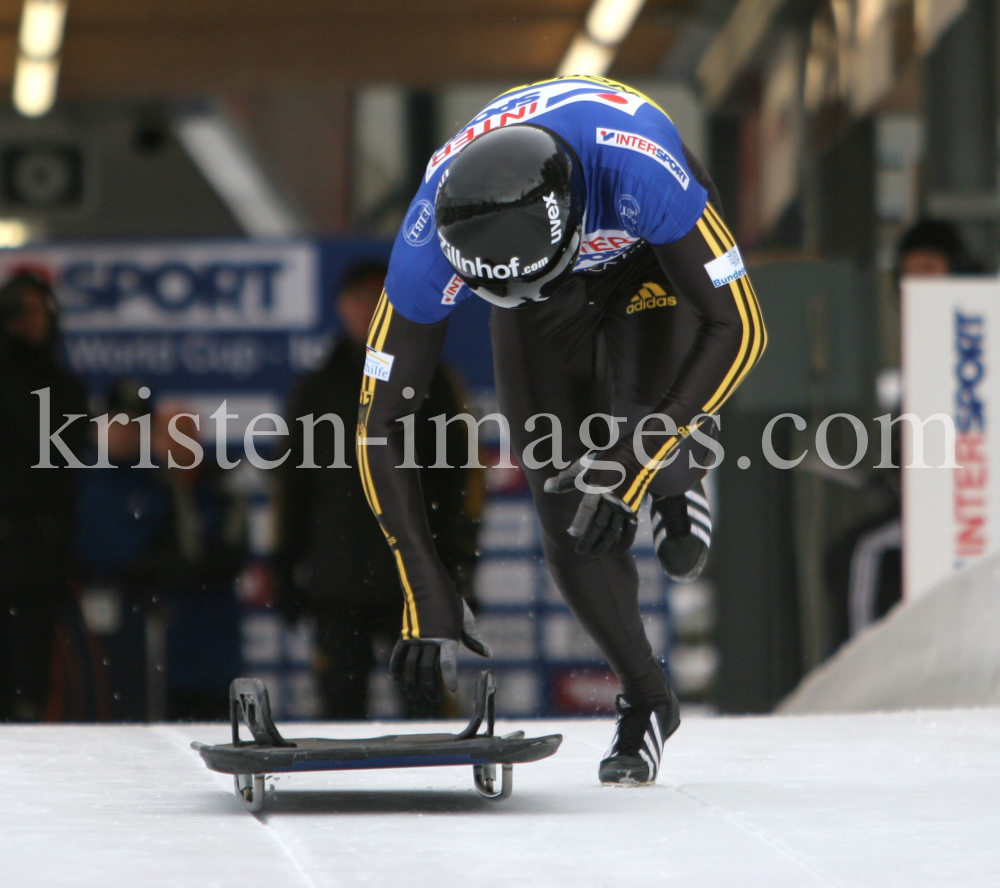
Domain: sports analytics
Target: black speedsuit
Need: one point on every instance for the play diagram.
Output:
(652, 334)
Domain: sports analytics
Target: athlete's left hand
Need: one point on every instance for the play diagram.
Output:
(425, 664)
(602, 521)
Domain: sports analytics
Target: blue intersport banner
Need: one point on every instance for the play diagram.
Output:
(214, 317)
(195, 317)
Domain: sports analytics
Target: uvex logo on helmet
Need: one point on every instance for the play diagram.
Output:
(555, 222)
(477, 268)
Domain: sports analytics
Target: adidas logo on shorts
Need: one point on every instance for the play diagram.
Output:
(652, 295)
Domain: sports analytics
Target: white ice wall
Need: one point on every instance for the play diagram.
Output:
(940, 651)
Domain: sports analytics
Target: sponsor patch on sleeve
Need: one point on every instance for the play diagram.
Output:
(378, 365)
(450, 292)
(418, 226)
(727, 268)
(635, 142)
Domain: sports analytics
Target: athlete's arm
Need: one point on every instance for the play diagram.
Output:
(730, 340)
(435, 617)
(432, 608)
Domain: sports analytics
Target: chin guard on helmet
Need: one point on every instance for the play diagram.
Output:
(509, 213)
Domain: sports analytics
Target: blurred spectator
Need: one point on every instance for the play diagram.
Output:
(36, 505)
(931, 248)
(123, 539)
(210, 549)
(864, 567)
(333, 562)
(159, 550)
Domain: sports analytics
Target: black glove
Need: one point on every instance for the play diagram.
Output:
(424, 663)
(602, 521)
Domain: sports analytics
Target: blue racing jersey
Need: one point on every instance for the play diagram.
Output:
(639, 187)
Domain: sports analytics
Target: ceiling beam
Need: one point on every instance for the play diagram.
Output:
(142, 49)
(735, 47)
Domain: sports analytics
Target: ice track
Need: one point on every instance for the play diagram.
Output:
(909, 799)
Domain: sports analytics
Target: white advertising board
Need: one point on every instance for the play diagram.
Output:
(950, 347)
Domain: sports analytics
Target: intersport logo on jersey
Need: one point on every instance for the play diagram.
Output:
(451, 290)
(635, 142)
(523, 106)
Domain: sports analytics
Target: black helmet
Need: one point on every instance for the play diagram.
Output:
(510, 214)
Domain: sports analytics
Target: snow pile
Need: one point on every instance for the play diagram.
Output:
(941, 651)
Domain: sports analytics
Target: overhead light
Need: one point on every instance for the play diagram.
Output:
(609, 21)
(13, 233)
(35, 85)
(593, 49)
(36, 74)
(42, 23)
(230, 168)
(584, 56)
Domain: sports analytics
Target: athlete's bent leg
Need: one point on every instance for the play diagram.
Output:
(549, 359)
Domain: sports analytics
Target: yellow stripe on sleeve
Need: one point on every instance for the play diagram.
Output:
(384, 331)
(411, 603)
(721, 392)
(633, 496)
(383, 301)
(366, 473)
(753, 323)
(752, 345)
(378, 331)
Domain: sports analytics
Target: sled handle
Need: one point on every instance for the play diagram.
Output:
(248, 701)
(486, 706)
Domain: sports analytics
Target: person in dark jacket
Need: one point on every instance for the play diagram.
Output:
(332, 560)
(36, 504)
(162, 546)
(208, 552)
(123, 540)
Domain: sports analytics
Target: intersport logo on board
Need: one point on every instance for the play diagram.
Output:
(180, 286)
(635, 142)
(970, 492)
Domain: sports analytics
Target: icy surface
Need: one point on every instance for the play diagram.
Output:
(907, 799)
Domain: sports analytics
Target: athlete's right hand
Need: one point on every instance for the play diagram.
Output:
(602, 521)
(424, 664)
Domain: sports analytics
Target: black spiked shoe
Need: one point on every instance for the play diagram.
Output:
(633, 758)
(682, 533)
